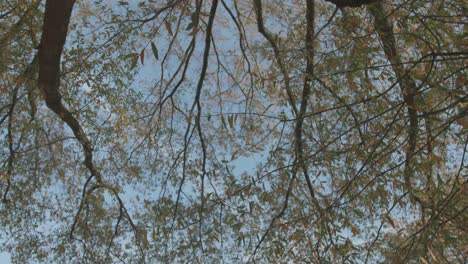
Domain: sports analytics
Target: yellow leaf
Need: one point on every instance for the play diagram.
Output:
(354, 230)
(235, 154)
(168, 27)
(420, 74)
(295, 237)
(460, 81)
(462, 122)
(390, 220)
(423, 260)
(432, 255)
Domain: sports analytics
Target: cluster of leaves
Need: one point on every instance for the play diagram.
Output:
(237, 131)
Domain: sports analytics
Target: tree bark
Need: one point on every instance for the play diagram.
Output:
(384, 27)
(54, 33)
(55, 28)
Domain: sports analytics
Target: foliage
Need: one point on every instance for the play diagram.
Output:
(236, 131)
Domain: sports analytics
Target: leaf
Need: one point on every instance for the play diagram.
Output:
(134, 61)
(155, 50)
(459, 81)
(462, 122)
(128, 56)
(432, 255)
(390, 220)
(295, 237)
(420, 74)
(283, 227)
(206, 14)
(235, 154)
(231, 121)
(358, 213)
(61, 249)
(423, 260)
(355, 230)
(168, 27)
(223, 121)
(142, 57)
(194, 31)
(237, 226)
(268, 107)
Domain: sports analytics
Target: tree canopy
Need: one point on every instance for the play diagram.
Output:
(162, 131)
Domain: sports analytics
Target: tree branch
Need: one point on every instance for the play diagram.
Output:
(384, 27)
(272, 39)
(56, 19)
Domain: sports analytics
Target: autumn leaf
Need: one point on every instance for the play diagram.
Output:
(142, 57)
(168, 27)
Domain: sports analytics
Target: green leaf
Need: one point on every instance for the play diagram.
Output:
(223, 121)
(155, 50)
(231, 121)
